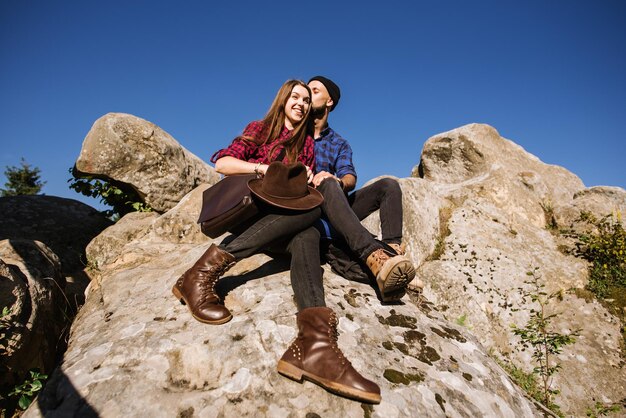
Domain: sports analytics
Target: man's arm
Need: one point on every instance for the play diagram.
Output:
(348, 183)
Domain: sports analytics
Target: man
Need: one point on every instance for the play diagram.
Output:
(335, 178)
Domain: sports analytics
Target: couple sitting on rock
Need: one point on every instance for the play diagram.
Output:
(296, 130)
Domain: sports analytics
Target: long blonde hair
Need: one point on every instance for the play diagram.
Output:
(274, 122)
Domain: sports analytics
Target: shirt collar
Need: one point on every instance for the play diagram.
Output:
(324, 133)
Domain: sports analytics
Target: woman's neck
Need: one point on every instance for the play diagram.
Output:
(288, 124)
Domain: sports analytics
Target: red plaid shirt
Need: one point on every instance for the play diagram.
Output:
(254, 153)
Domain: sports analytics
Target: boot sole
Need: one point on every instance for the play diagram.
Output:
(183, 301)
(394, 277)
(297, 374)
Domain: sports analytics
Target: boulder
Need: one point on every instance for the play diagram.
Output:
(64, 225)
(479, 213)
(135, 350)
(135, 152)
(500, 220)
(31, 288)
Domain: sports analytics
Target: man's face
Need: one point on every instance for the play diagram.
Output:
(321, 99)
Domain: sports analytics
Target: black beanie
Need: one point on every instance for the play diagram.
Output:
(333, 89)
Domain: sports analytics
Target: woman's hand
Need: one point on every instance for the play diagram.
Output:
(309, 174)
(262, 169)
(321, 176)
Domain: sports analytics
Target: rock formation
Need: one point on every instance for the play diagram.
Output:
(42, 257)
(475, 216)
(66, 226)
(496, 200)
(133, 151)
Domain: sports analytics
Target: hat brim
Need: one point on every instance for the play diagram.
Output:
(308, 202)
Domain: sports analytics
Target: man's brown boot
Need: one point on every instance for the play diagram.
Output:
(393, 273)
(315, 356)
(196, 287)
(400, 249)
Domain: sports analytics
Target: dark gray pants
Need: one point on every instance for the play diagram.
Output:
(291, 233)
(345, 213)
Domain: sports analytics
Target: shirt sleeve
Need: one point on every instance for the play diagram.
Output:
(240, 148)
(344, 163)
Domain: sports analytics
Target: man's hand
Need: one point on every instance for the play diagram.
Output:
(321, 176)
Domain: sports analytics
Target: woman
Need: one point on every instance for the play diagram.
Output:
(282, 135)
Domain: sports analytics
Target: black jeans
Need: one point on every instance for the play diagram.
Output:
(285, 232)
(345, 213)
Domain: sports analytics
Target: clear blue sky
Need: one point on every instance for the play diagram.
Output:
(550, 75)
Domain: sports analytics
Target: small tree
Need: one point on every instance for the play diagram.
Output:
(22, 180)
(545, 343)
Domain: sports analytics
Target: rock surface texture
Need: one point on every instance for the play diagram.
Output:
(31, 287)
(42, 258)
(475, 216)
(133, 151)
(66, 226)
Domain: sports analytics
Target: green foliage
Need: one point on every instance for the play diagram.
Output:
(444, 231)
(548, 211)
(5, 330)
(29, 389)
(537, 336)
(605, 248)
(22, 180)
(461, 320)
(122, 198)
(601, 410)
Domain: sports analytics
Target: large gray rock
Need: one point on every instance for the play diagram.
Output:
(31, 287)
(66, 226)
(131, 150)
(136, 351)
(475, 223)
(498, 201)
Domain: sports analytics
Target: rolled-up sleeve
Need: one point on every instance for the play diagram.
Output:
(343, 164)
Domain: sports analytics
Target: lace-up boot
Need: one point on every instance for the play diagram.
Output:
(315, 356)
(400, 249)
(393, 273)
(196, 287)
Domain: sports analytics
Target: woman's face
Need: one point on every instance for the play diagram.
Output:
(297, 106)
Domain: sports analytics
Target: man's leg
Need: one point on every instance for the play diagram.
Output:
(386, 195)
(393, 272)
(345, 221)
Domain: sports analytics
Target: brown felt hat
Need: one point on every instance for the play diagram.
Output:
(285, 186)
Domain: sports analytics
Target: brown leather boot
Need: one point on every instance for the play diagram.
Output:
(196, 287)
(393, 273)
(315, 356)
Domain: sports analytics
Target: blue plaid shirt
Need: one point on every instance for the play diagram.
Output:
(333, 154)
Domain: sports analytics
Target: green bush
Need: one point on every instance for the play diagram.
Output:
(604, 246)
(122, 198)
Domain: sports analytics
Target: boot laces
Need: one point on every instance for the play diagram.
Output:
(208, 286)
(334, 337)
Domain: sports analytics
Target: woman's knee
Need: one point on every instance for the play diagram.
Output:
(310, 236)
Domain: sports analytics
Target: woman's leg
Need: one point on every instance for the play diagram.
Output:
(270, 228)
(306, 272)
